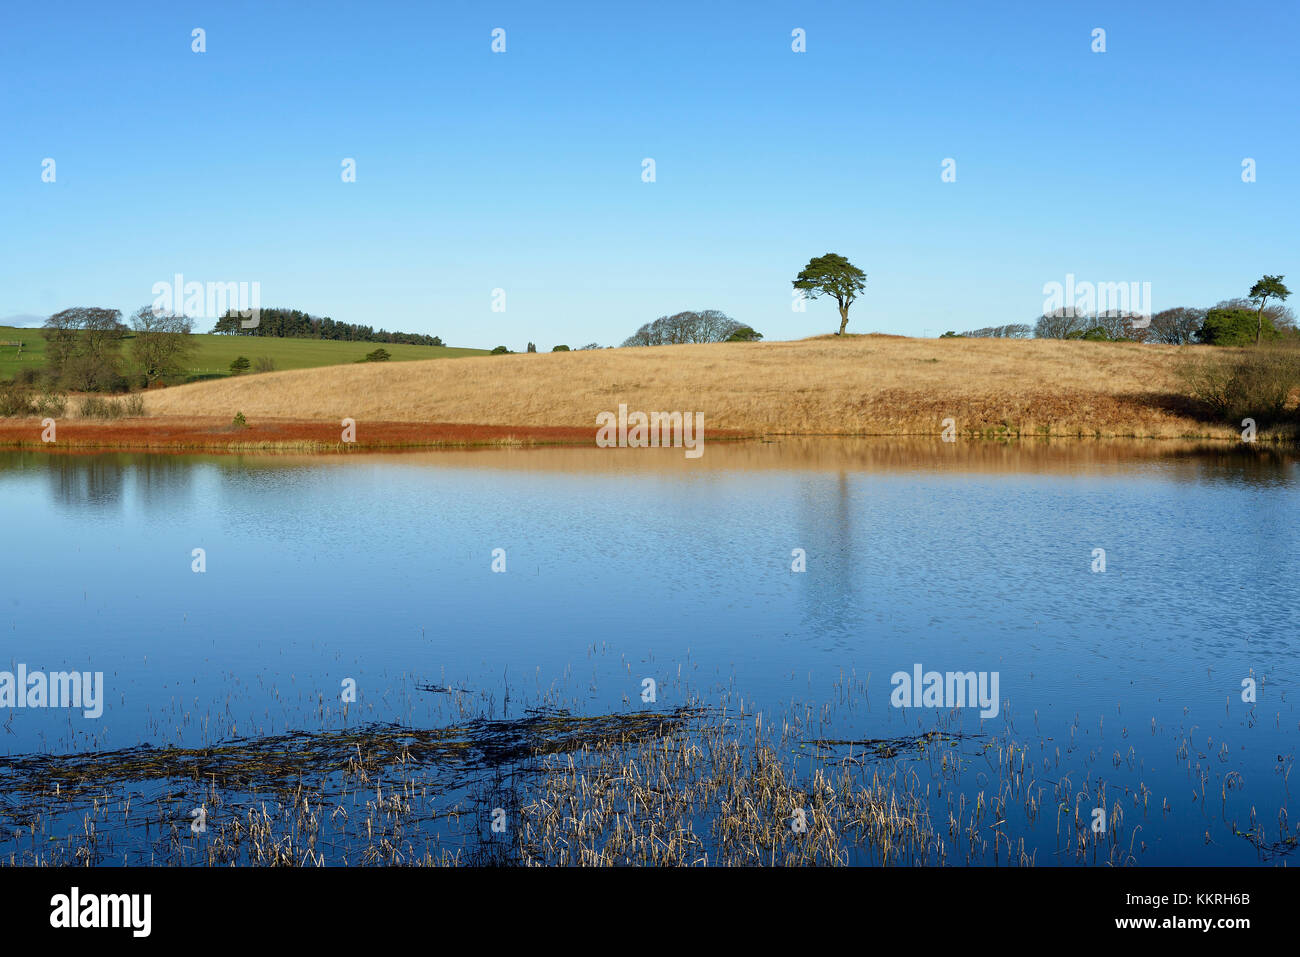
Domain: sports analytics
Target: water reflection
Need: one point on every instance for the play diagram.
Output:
(162, 480)
(625, 565)
(830, 539)
(92, 481)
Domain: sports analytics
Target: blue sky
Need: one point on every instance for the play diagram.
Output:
(522, 171)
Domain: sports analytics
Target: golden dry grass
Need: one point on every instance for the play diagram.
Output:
(872, 385)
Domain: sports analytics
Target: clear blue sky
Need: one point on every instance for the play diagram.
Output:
(522, 170)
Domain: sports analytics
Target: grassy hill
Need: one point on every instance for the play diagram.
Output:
(215, 353)
(873, 385)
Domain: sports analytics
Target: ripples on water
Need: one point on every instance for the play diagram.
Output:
(624, 565)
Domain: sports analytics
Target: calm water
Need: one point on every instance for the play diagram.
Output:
(623, 565)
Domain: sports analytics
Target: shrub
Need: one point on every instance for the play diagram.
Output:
(500, 351)
(97, 407)
(745, 334)
(1254, 383)
(18, 400)
(1093, 334)
(239, 366)
(239, 421)
(561, 349)
(379, 355)
(263, 364)
(51, 404)
(15, 400)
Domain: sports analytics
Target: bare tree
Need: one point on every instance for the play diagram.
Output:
(82, 347)
(1177, 326)
(1120, 325)
(1018, 330)
(1058, 324)
(162, 345)
(711, 325)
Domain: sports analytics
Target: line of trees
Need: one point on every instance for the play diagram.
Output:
(1019, 330)
(1232, 322)
(84, 348)
(1258, 317)
(709, 325)
(85, 352)
(1239, 321)
(296, 324)
(1093, 326)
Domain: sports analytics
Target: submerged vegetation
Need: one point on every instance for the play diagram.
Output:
(690, 786)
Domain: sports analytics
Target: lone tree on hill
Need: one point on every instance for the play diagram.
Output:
(1260, 293)
(832, 275)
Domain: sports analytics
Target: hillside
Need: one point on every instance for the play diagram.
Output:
(853, 385)
(215, 353)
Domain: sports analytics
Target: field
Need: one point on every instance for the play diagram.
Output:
(215, 353)
(871, 384)
(33, 350)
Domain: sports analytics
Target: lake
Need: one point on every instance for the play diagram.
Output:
(489, 599)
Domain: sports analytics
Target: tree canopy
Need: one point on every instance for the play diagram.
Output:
(82, 349)
(709, 325)
(162, 345)
(1235, 326)
(832, 275)
(1268, 287)
(296, 324)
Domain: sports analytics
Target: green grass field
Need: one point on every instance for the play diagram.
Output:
(215, 353)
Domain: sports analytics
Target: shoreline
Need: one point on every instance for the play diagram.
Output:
(211, 434)
(856, 386)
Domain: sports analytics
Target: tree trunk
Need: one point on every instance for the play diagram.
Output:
(844, 319)
(1259, 326)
